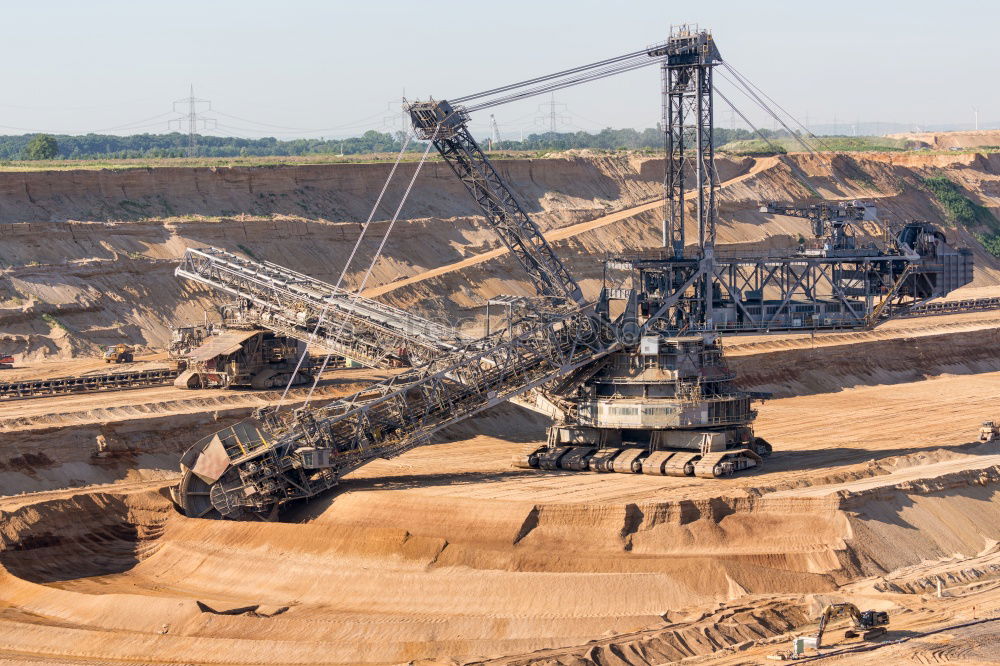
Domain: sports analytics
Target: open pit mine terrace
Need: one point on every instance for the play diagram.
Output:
(877, 491)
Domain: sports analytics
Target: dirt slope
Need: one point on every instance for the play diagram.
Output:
(447, 554)
(945, 140)
(87, 257)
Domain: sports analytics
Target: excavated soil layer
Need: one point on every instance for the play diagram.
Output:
(47, 444)
(50, 443)
(832, 367)
(447, 553)
(396, 575)
(94, 250)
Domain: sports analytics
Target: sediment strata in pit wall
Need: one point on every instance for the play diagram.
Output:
(94, 248)
(144, 441)
(56, 450)
(822, 369)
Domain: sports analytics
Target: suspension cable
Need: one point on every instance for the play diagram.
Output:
(357, 244)
(732, 106)
(378, 253)
(566, 83)
(747, 91)
(565, 72)
(743, 78)
(750, 87)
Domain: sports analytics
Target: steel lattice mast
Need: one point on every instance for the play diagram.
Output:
(445, 126)
(686, 74)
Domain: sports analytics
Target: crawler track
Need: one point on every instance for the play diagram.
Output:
(113, 381)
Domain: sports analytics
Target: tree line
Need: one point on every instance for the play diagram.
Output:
(175, 144)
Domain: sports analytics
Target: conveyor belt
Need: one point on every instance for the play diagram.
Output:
(953, 307)
(114, 381)
(291, 303)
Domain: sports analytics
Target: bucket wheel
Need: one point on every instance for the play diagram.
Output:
(194, 495)
(194, 498)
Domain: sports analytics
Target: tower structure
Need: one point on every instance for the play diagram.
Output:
(194, 116)
(688, 118)
(669, 401)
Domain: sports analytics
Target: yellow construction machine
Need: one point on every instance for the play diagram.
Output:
(120, 353)
(867, 624)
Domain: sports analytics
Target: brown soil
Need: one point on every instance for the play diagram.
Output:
(945, 140)
(447, 554)
(94, 250)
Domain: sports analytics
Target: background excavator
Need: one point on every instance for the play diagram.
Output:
(867, 625)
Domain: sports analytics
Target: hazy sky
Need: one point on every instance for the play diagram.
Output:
(312, 68)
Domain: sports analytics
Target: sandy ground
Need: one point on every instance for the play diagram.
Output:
(75, 367)
(166, 399)
(448, 552)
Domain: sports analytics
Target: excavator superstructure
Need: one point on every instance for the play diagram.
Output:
(635, 381)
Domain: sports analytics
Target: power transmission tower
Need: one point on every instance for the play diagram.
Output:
(195, 119)
(548, 115)
(495, 136)
(400, 116)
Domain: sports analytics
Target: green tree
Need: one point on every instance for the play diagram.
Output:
(41, 147)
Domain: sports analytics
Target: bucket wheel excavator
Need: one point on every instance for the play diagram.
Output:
(636, 381)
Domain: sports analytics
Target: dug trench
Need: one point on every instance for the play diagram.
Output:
(447, 553)
(388, 577)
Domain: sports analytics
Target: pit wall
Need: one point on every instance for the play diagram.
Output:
(107, 574)
(88, 255)
(58, 451)
(144, 442)
(700, 551)
(140, 449)
(795, 372)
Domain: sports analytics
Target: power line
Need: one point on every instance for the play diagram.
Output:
(402, 116)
